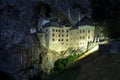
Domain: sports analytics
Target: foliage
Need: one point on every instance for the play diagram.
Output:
(61, 63)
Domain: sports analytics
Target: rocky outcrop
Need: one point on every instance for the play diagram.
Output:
(19, 49)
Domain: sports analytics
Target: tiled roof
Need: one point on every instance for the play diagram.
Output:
(83, 21)
(52, 23)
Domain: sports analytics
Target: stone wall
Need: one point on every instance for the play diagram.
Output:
(62, 38)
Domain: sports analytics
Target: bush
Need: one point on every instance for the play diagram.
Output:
(61, 63)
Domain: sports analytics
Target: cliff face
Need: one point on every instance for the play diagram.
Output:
(18, 48)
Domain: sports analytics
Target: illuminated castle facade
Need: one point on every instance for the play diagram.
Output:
(57, 38)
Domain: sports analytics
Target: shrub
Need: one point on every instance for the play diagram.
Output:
(61, 63)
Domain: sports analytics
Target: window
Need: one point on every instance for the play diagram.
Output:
(62, 30)
(46, 30)
(83, 37)
(80, 31)
(53, 34)
(88, 31)
(66, 39)
(59, 35)
(83, 31)
(53, 39)
(67, 35)
(62, 35)
(58, 39)
(56, 30)
(80, 37)
(67, 30)
(88, 37)
(62, 43)
(59, 30)
(53, 30)
(41, 35)
(62, 39)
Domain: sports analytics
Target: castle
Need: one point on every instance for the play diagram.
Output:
(54, 37)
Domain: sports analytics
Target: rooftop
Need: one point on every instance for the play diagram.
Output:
(84, 21)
